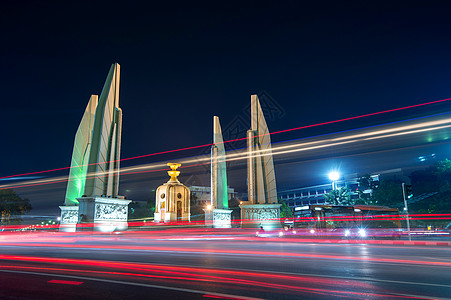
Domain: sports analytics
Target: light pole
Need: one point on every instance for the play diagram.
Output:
(405, 208)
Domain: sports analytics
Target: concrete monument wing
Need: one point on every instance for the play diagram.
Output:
(221, 215)
(93, 185)
(262, 208)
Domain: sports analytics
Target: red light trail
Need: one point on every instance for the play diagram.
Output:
(350, 218)
(240, 139)
(164, 273)
(216, 251)
(65, 282)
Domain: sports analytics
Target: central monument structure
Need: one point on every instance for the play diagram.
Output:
(93, 184)
(172, 199)
(262, 208)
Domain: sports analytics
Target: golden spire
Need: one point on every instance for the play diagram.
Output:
(173, 173)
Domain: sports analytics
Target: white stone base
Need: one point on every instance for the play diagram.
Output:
(99, 213)
(222, 218)
(106, 214)
(69, 218)
(258, 215)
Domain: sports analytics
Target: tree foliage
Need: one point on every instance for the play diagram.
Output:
(12, 207)
(196, 210)
(443, 172)
(388, 193)
(424, 181)
(436, 178)
(285, 210)
(435, 181)
(339, 196)
(366, 183)
(440, 202)
(234, 205)
(137, 210)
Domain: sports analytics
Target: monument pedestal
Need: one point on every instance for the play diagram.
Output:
(257, 215)
(69, 218)
(222, 218)
(105, 214)
(218, 218)
(98, 213)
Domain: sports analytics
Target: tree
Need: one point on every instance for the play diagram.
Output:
(443, 173)
(12, 206)
(285, 210)
(339, 196)
(366, 183)
(138, 211)
(197, 211)
(424, 181)
(440, 202)
(151, 201)
(234, 205)
(389, 192)
(433, 185)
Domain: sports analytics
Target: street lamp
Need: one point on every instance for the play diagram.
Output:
(334, 176)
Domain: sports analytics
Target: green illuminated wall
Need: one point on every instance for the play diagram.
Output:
(95, 157)
(218, 169)
(80, 154)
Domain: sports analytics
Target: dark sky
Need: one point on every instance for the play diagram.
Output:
(183, 63)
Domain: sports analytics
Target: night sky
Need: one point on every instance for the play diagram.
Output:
(183, 63)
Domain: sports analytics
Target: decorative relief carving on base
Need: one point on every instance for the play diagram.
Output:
(111, 212)
(221, 217)
(261, 214)
(69, 216)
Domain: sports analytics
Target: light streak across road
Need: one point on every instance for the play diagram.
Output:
(239, 139)
(408, 128)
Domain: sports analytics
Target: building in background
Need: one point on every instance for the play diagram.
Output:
(315, 194)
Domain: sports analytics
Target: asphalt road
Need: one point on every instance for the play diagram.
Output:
(202, 264)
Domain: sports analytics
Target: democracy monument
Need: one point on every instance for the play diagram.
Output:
(93, 184)
(92, 195)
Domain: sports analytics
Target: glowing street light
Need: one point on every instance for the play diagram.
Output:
(209, 207)
(334, 176)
